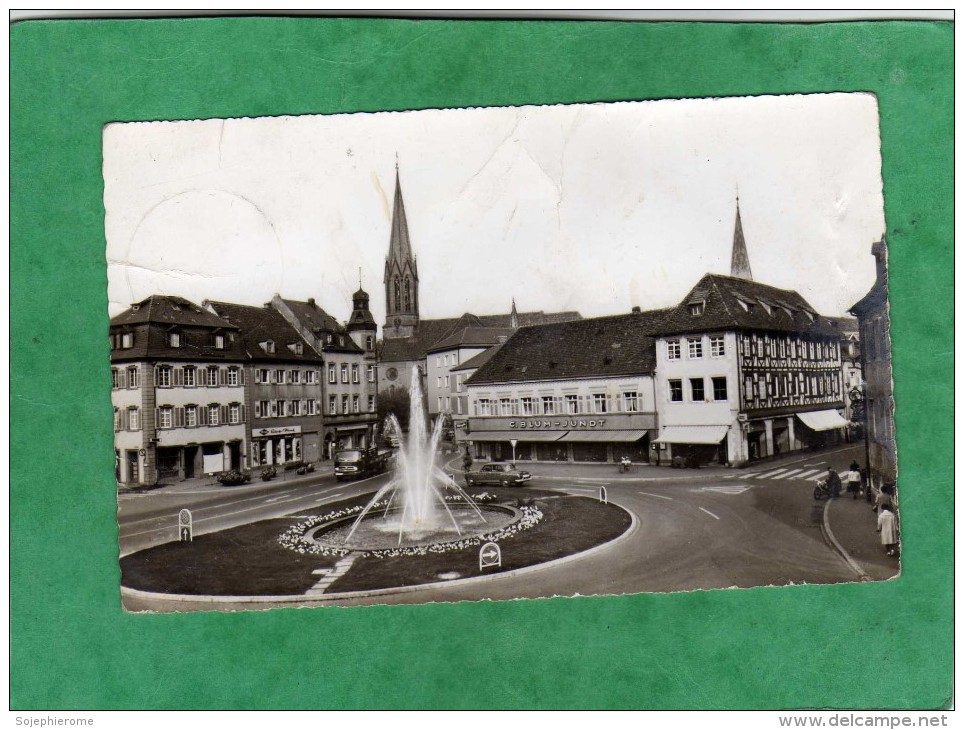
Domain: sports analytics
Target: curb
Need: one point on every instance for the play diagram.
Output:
(832, 539)
(328, 598)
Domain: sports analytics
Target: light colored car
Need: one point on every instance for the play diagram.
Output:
(503, 474)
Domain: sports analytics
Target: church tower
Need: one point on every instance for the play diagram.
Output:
(401, 275)
(740, 260)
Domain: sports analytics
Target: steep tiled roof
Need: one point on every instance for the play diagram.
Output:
(473, 337)
(160, 309)
(603, 346)
(321, 324)
(735, 303)
(262, 325)
(430, 331)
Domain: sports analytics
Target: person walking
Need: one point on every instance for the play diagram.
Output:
(853, 480)
(833, 482)
(887, 527)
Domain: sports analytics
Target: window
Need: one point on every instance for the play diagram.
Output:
(262, 375)
(599, 402)
(211, 376)
(114, 378)
(344, 404)
(695, 348)
(719, 389)
(369, 343)
(312, 377)
(312, 407)
(717, 348)
(527, 406)
(294, 377)
(279, 409)
(133, 377)
(133, 418)
(371, 404)
(548, 405)
(190, 376)
(458, 406)
(696, 308)
(332, 404)
(448, 381)
(296, 408)
(354, 373)
(164, 377)
(174, 339)
(672, 350)
(371, 373)
(572, 403)
(218, 342)
(438, 361)
(165, 417)
(233, 376)
(438, 382)
(214, 415)
(676, 391)
(631, 401)
(234, 413)
(505, 407)
(485, 407)
(438, 403)
(190, 416)
(261, 409)
(280, 376)
(696, 389)
(127, 340)
(332, 373)
(344, 372)
(117, 419)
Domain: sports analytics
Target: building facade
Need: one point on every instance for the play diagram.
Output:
(178, 382)
(873, 316)
(284, 394)
(349, 380)
(580, 391)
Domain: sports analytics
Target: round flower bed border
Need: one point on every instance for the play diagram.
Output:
(295, 537)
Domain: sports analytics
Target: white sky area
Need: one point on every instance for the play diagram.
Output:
(591, 207)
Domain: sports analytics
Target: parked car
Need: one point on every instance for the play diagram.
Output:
(502, 474)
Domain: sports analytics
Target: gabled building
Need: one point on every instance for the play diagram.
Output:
(873, 316)
(178, 392)
(579, 391)
(350, 368)
(747, 370)
(284, 395)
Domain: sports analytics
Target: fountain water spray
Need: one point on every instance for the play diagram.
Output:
(419, 486)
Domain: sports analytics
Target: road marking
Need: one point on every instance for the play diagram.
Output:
(790, 474)
(709, 513)
(277, 498)
(658, 496)
(327, 497)
(810, 473)
(738, 489)
(816, 463)
(771, 474)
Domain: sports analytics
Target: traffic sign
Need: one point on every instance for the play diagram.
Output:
(489, 555)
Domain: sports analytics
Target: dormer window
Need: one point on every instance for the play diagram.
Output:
(329, 339)
(127, 340)
(268, 346)
(218, 342)
(766, 307)
(696, 308)
(174, 339)
(809, 315)
(296, 348)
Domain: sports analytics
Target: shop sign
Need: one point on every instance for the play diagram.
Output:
(275, 431)
(561, 423)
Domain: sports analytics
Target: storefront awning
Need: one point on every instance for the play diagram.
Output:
(691, 434)
(528, 436)
(823, 420)
(603, 436)
(356, 427)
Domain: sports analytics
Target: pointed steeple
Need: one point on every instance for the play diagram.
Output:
(401, 274)
(514, 316)
(740, 260)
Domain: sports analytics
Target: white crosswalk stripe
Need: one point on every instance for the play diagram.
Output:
(726, 490)
(816, 476)
(790, 474)
(772, 474)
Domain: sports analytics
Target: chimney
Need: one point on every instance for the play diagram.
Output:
(311, 301)
(637, 310)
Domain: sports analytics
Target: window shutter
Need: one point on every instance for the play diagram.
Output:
(202, 415)
(257, 375)
(241, 412)
(179, 417)
(156, 375)
(157, 417)
(240, 376)
(224, 414)
(178, 377)
(257, 409)
(222, 376)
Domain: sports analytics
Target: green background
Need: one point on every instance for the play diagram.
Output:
(861, 645)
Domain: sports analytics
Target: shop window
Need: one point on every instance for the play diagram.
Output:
(589, 452)
(676, 391)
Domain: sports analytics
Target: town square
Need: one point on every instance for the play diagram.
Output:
(288, 453)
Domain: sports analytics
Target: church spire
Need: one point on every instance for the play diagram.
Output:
(740, 260)
(399, 247)
(514, 316)
(401, 274)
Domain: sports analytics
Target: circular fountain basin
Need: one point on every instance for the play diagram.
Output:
(380, 531)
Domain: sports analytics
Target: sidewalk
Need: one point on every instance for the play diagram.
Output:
(209, 483)
(854, 526)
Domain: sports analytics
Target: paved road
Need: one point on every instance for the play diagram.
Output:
(695, 529)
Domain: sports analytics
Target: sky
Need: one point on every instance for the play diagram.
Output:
(588, 207)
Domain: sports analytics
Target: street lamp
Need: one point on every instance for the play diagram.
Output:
(513, 442)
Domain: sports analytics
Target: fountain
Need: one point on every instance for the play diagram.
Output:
(421, 504)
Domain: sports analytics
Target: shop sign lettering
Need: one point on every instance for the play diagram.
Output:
(561, 423)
